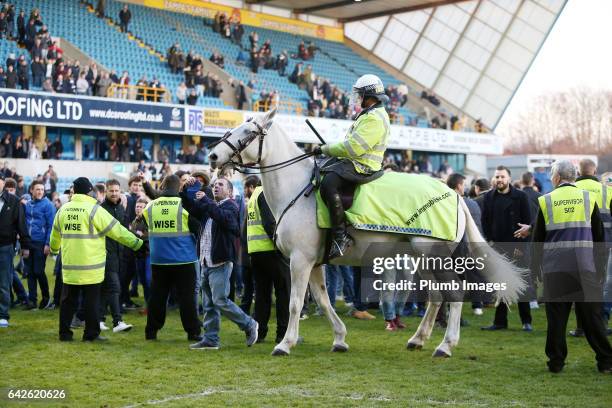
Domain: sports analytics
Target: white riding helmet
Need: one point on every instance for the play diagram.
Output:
(367, 85)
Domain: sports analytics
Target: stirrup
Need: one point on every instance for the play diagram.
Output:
(339, 246)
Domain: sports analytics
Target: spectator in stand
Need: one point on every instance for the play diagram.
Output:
(21, 27)
(92, 75)
(241, 94)
(101, 8)
(217, 59)
(237, 33)
(282, 60)
(157, 90)
(37, 48)
(38, 71)
(20, 150)
(47, 86)
(181, 93)
(6, 146)
(11, 77)
(125, 15)
(302, 52)
(192, 99)
(82, 86)
(2, 78)
(3, 25)
(253, 39)
(103, 84)
(51, 172)
(56, 149)
(49, 186)
(255, 60)
(69, 82)
(297, 73)
(123, 85)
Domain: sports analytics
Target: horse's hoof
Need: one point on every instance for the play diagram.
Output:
(340, 348)
(440, 353)
(279, 352)
(414, 346)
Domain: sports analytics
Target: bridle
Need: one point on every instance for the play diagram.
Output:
(242, 167)
(243, 144)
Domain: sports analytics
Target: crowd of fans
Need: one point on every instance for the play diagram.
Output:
(22, 148)
(49, 71)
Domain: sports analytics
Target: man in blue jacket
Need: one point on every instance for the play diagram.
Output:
(220, 227)
(39, 214)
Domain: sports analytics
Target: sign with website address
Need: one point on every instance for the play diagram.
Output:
(37, 108)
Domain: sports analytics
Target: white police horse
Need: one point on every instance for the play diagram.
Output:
(262, 142)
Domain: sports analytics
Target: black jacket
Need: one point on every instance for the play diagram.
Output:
(13, 222)
(125, 16)
(225, 227)
(534, 204)
(114, 250)
(517, 212)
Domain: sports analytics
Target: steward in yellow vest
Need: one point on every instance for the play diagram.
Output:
(602, 194)
(359, 157)
(173, 260)
(80, 229)
(568, 240)
(270, 269)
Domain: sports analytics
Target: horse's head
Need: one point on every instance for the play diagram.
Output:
(243, 144)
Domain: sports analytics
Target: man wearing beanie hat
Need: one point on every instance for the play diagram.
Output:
(79, 230)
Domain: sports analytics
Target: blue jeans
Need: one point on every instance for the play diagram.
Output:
(7, 252)
(35, 267)
(393, 301)
(143, 269)
(20, 292)
(216, 288)
(331, 277)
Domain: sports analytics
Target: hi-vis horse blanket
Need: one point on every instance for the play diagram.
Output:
(401, 203)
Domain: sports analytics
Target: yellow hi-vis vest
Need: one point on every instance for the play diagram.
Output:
(257, 238)
(568, 245)
(80, 229)
(170, 241)
(603, 194)
(366, 141)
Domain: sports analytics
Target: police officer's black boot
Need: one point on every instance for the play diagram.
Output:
(341, 239)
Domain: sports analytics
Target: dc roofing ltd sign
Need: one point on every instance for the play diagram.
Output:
(36, 108)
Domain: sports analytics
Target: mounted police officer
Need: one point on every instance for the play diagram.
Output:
(359, 157)
(570, 250)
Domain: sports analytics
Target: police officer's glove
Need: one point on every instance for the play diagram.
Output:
(317, 151)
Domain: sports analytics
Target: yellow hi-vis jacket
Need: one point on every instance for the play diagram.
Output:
(79, 230)
(366, 141)
(603, 195)
(257, 238)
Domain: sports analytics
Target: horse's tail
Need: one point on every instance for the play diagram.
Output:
(497, 267)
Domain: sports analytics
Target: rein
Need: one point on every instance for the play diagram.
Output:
(242, 167)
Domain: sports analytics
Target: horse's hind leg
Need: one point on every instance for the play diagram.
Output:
(425, 327)
(317, 288)
(451, 337)
(300, 272)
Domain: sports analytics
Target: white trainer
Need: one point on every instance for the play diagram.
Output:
(478, 311)
(122, 326)
(103, 326)
(4, 323)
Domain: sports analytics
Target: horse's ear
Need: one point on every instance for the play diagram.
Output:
(266, 120)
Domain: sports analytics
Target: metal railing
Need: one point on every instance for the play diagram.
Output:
(137, 92)
(289, 107)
